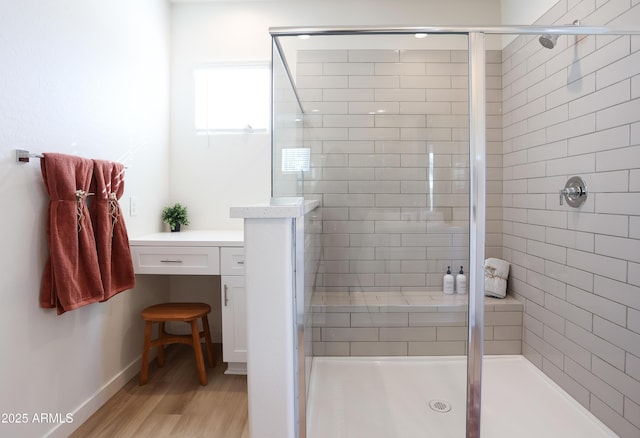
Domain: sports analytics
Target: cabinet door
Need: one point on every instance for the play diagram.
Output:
(234, 319)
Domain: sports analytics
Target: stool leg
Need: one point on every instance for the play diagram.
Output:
(161, 334)
(207, 341)
(195, 335)
(144, 372)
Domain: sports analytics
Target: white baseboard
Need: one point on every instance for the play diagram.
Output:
(90, 406)
(239, 368)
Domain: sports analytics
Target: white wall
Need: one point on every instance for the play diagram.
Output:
(524, 11)
(210, 176)
(90, 78)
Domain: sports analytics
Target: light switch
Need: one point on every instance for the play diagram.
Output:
(133, 206)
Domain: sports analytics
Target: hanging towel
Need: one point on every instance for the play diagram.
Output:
(71, 277)
(112, 240)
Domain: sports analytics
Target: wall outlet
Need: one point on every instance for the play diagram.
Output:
(133, 206)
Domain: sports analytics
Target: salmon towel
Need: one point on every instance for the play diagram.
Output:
(71, 276)
(112, 240)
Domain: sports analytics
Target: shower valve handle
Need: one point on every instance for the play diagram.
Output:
(569, 192)
(575, 192)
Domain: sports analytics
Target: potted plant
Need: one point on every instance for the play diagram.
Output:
(175, 216)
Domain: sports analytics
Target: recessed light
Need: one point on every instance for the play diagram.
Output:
(304, 37)
(421, 35)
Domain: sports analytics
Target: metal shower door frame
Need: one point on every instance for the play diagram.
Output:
(477, 219)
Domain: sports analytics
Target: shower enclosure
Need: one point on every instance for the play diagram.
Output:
(429, 148)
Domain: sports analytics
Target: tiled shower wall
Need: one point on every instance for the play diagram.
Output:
(388, 132)
(575, 110)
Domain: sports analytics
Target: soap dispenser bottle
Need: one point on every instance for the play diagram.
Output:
(461, 282)
(447, 286)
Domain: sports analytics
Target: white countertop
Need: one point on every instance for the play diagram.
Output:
(191, 238)
(277, 208)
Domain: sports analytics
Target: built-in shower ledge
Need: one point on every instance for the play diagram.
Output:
(409, 323)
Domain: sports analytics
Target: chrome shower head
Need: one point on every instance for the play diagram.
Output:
(548, 41)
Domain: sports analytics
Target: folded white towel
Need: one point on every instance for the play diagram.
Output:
(496, 268)
(495, 287)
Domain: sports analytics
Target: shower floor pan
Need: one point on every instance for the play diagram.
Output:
(385, 397)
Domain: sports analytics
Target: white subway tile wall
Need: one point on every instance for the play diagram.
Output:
(392, 323)
(392, 171)
(575, 110)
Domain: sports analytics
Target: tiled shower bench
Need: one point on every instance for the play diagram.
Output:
(409, 324)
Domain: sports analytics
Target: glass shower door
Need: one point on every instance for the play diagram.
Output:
(386, 127)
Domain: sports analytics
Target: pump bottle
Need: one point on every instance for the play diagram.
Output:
(447, 286)
(461, 282)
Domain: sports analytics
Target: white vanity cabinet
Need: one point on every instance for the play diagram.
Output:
(219, 253)
(234, 310)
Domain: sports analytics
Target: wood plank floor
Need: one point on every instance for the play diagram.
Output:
(174, 404)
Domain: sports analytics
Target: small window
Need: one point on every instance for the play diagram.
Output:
(295, 159)
(232, 98)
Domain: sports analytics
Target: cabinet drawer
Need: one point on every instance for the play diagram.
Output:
(232, 261)
(176, 260)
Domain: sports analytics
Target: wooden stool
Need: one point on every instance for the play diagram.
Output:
(185, 312)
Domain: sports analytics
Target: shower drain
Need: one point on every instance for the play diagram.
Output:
(440, 406)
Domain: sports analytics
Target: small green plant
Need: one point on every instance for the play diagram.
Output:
(175, 216)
